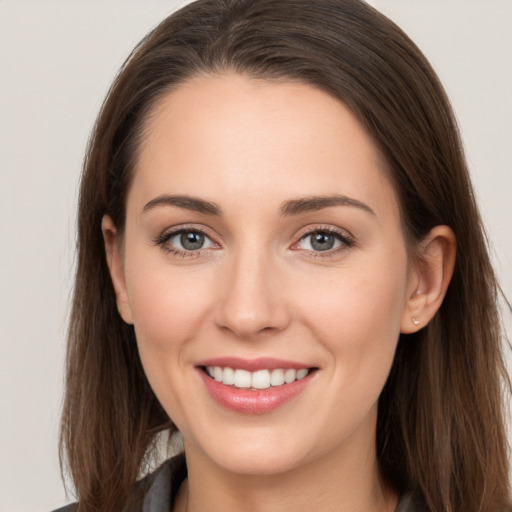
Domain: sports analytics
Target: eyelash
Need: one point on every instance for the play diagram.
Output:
(166, 236)
(347, 241)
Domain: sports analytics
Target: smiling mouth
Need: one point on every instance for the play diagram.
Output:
(257, 380)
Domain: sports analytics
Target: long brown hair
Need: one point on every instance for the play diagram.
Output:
(441, 416)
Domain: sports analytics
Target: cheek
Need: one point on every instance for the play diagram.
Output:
(168, 309)
(358, 323)
(357, 315)
(167, 305)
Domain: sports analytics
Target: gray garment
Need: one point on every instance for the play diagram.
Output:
(409, 504)
(159, 489)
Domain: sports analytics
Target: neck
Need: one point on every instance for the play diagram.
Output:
(329, 483)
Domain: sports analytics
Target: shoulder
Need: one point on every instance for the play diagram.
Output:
(155, 492)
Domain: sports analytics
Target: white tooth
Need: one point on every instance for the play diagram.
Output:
(277, 377)
(210, 371)
(301, 373)
(290, 375)
(228, 376)
(242, 379)
(261, 379)
(217, 373)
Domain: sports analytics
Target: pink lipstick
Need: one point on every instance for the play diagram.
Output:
(254, 386)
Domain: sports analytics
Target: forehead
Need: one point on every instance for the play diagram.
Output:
(232, 135)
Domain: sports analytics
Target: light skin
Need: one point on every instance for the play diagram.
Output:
(240, 160)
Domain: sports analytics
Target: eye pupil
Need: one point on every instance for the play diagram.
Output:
(322, 241)
(191, 240)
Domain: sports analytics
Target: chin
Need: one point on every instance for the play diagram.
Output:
(259, 464)
(261, 455)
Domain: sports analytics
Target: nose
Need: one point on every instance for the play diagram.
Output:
(252, 299)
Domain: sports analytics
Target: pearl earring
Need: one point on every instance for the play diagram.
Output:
(415, 322)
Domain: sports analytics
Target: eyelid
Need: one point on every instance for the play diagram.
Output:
(346, 238)
(177, 235)
(170, 232)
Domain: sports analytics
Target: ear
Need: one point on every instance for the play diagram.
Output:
(429, 278)
(116, 267)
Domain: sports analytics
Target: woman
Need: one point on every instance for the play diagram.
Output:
(280, 256)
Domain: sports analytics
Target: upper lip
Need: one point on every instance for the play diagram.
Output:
(252, 365)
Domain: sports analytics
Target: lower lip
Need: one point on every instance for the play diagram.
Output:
(253, 401)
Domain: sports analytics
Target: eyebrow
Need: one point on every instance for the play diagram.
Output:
(315, 203)
(189, 203)
(288, 208)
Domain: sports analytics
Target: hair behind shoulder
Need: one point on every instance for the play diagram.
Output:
(441, 415)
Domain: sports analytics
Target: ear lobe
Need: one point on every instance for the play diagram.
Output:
(116, 268)
(430, 277)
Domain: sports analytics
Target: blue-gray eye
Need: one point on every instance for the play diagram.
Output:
(187, 241)
(192, 240)
(320, 241)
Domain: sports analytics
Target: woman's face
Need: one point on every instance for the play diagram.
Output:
(263, 236)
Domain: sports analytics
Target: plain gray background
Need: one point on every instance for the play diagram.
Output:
(57, 59)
